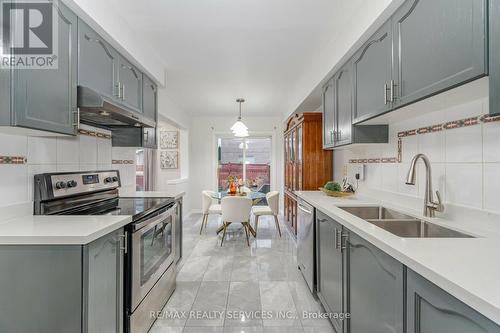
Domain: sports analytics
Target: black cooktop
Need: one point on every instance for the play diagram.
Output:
(137, 207)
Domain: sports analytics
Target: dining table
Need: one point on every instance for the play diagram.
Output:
(254, 195)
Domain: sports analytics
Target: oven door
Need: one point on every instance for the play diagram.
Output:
(153, 251)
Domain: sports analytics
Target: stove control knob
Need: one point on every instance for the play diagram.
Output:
(115, 178)
(61, 185)
(72, 183)
(108, 180)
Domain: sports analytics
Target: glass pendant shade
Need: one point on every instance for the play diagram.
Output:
(239, 129)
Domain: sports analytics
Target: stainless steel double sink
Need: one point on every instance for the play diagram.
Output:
(401, 224)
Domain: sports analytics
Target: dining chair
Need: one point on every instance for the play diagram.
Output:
(272, 209)
(236, 210)
(209, 207)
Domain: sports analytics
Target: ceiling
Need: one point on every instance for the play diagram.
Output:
(217, 50)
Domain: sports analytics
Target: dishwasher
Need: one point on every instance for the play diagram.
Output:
(306, 243)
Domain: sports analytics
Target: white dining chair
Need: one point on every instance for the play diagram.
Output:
(209, 207)
(236, 210)
(272, 209)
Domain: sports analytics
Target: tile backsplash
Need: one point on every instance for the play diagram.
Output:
(56, 154)
(465, 160)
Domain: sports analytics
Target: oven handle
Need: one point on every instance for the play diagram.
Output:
(161, 217)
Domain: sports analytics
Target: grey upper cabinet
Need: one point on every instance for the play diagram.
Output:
(149, 98)
(97, 62)
(330, 266)
(32, 106)
(376, 289)
(130, 82)
(372, 75)
(343, 106)
(328, 114)
(432, 310)
(438, 44)
(103, 262)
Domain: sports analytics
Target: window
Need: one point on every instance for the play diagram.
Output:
(245, 158)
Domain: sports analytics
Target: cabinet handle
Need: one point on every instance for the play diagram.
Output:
(386, 88)
(322, 220)
(125, 242)
(339, 135)
(146, 136)
(337, 232)
(118, 90)
(343, 241)
(123, 92)
(392, 95)
(76, 118)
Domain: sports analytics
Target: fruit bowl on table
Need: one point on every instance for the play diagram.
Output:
(337, 194)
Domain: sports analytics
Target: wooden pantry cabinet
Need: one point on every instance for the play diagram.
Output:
(307, 165)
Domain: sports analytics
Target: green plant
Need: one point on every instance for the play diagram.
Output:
(333, 186)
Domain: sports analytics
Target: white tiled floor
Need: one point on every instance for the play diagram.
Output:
(234, 278)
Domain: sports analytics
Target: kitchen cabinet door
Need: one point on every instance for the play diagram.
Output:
(432, 310)
(97, 62)
(149, 98)
(103, 286)
(328, 115)
(372, 75)
(438, 44)
(343, 106)
(45, 99)
(130, 79)
(375, 289)
(329, 266)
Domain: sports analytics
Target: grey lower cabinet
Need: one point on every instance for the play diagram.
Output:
(328, 115)
(97, 62)
(374, 289)
(330, 266)
(438, 44)
(372, 75)
(25, 100)
(62, 288)
(431, 310)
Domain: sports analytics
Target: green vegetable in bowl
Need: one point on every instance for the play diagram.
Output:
(333, 186)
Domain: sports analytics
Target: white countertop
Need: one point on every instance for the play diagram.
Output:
(151, 194)
(27, 229)
(58, 230)
(467, 268)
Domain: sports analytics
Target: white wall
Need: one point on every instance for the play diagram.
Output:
(465, 161)
(203, 158)
(50, 154)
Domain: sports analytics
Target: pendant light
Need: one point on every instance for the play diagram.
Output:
(239, 129)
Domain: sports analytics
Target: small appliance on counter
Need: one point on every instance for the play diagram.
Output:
(149, 262)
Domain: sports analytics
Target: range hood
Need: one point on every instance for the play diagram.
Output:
(102, 111)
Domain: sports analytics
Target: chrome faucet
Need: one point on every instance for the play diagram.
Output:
(430, 207)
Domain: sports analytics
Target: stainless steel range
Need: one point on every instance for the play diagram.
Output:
(149, 273)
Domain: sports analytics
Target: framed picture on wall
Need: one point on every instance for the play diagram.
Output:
(169, 139)
(169, 159)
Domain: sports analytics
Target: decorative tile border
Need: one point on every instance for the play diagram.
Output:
(374, 160)
(94, 133)
(450, 125)
(472, 121)
(122, 162)
(13, 160)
